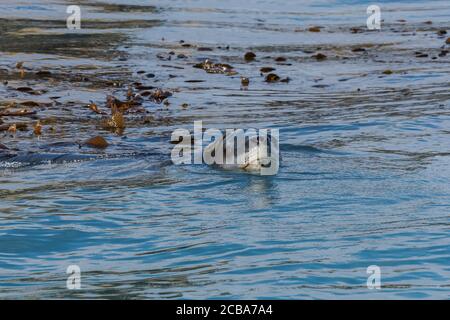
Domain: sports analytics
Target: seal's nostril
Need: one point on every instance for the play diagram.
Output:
(266, 164)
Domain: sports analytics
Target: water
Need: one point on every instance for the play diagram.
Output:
(364, 178)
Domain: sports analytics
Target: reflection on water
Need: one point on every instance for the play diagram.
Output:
(365, 155)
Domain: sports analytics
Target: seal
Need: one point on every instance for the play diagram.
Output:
(259, 154)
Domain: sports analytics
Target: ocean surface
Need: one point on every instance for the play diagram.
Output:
(364, 177)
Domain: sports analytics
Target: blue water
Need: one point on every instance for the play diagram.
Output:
(364, 178)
